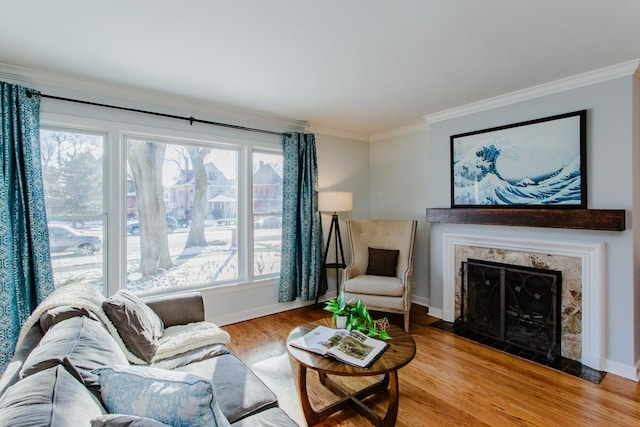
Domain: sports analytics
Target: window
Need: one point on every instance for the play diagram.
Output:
(72, 168)
(181, 212)
(267, 213)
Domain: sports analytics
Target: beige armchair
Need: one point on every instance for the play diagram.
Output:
(383, 282)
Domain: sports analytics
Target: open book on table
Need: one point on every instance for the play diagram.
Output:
(352, 347)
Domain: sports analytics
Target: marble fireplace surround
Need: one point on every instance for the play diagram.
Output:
(588, 257)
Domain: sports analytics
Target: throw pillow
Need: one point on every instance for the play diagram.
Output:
(121, 420)
(138, 325)
(382, 262)
(49, 398)
(80, 345)
(171, 397)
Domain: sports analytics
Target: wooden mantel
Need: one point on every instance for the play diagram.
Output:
(577, 219)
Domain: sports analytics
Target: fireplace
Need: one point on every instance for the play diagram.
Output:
(582, 265)
(514, 305)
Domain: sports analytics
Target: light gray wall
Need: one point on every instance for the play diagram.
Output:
(610, 185)
(399, 184)
(409, 173)
(343, 165)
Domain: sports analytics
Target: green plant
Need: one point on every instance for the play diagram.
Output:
(358, 316)
(337, 306)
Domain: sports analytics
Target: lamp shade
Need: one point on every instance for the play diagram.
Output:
(335, 201)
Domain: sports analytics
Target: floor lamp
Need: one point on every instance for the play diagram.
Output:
(334, 202)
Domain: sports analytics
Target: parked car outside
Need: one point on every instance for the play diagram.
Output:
(64, 238)
(268, 222)
(133, 227)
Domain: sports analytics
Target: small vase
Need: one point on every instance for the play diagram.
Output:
(341, 322)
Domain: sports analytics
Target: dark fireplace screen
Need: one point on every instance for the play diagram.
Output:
(513, 304)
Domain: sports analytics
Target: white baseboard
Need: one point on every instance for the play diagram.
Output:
(622, 370)
(254, 313)
(435, 312)
(420, 301)
(241, 316)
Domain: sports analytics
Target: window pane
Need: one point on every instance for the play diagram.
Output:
(267, 211)
(72, 168)
(182, 215)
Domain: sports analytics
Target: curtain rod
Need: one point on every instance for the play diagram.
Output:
(191, 120)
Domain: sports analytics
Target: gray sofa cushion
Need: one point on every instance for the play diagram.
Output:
(178, 309)
(121, 420)
(239, 391)
(12, 372)
(274, 417)
(138, 325)
(81, 345)
(52, 397)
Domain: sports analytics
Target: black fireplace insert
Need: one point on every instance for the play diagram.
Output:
(517, 305)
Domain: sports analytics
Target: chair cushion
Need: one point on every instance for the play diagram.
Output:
(375, 285)
(379, 302)
(52, 397)
(138, 325)
(382, 262)
(171, 397)
(81, 345)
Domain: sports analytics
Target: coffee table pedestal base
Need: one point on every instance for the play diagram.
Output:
(351, 400)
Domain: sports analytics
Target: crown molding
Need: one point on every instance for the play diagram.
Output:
(406, 130)
(592, 77)
(61, 84)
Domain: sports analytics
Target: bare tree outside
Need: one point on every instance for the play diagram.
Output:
(146, 161)
(196, 231)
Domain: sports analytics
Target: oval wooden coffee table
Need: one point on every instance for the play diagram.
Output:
(402, 349)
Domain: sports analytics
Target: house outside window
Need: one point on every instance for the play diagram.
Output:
(267, 213)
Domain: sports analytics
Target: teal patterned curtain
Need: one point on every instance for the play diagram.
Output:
(301, 263)
(25, 261)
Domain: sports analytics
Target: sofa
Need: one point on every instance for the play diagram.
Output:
(70, 370)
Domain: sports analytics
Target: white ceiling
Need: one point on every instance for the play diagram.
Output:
(362, 66)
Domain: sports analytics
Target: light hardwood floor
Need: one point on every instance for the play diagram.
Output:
(451, 381)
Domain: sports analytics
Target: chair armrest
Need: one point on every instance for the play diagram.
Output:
(178, 309)
(350, 272)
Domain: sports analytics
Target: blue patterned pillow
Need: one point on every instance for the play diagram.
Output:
(171, 397)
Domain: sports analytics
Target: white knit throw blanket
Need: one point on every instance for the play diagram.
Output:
(175, 340)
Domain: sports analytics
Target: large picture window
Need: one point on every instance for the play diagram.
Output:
(184, 213)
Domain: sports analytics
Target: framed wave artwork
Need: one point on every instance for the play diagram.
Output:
(538, 163)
